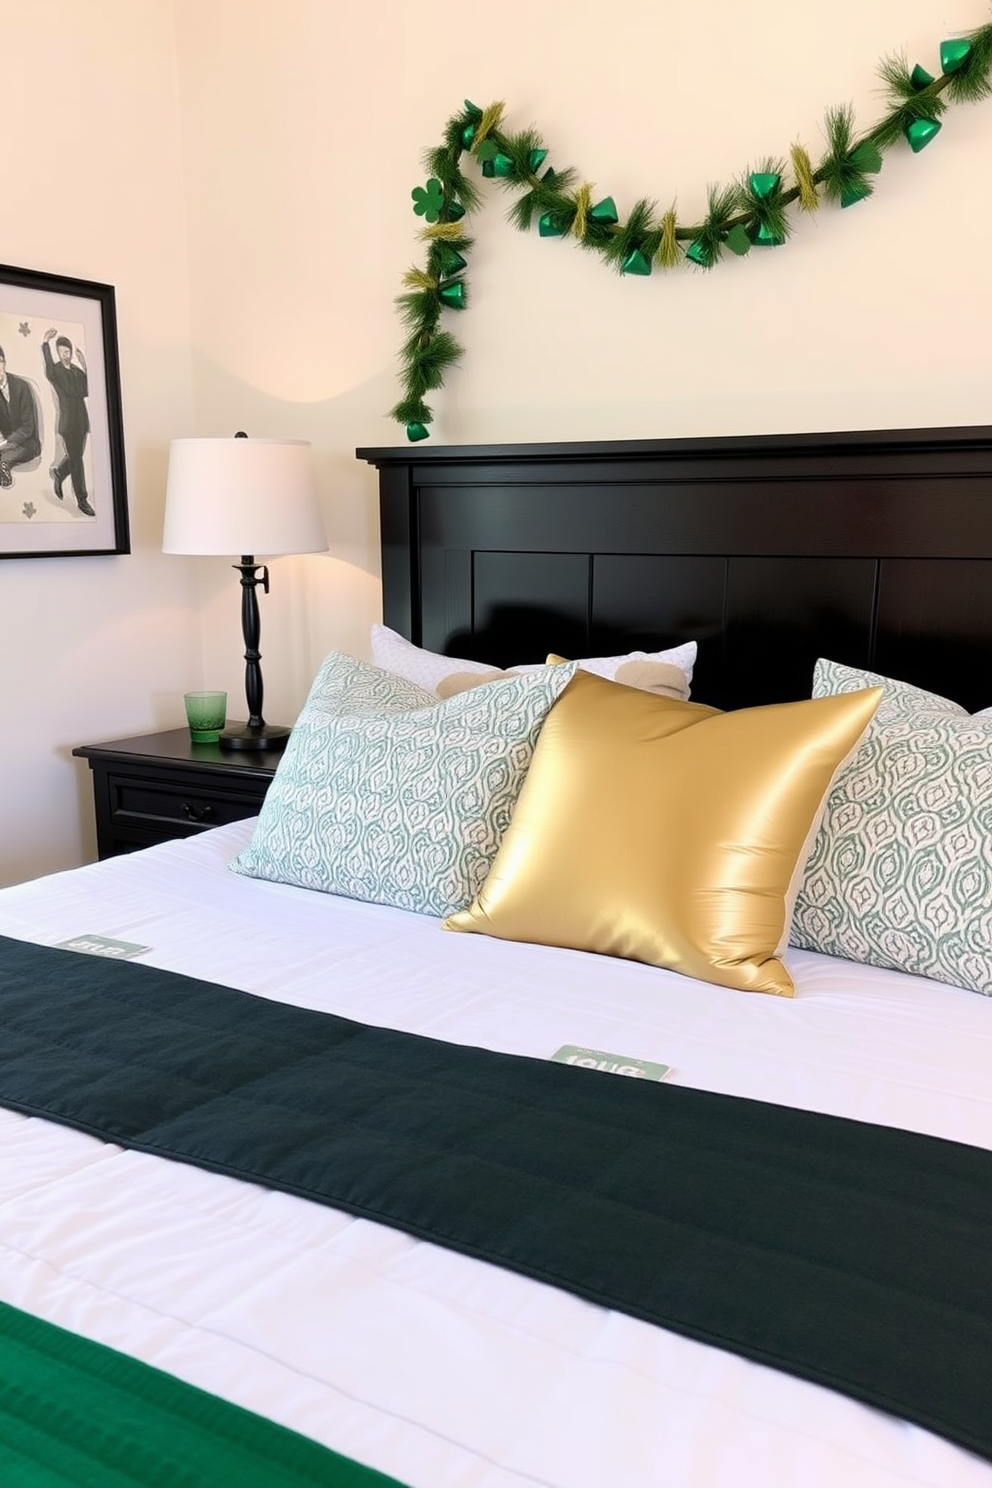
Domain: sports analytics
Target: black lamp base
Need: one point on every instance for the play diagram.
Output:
(263, 736)
(256, 734)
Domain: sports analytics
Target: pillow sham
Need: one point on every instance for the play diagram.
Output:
(660, 677)
(900, 874)
(456, 682)
(429, 669)
(387, 795)
(667, 832)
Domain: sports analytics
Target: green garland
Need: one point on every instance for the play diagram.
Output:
(750, 213)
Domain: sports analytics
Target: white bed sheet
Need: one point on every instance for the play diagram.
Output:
(443, 1371)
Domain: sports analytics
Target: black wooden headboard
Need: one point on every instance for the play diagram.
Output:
(871, 548)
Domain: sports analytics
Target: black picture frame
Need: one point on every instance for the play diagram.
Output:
(63, 491)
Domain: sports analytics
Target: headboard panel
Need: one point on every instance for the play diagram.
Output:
(769, 551)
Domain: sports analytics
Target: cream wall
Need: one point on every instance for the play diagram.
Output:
(246, 185)
(92, 648)
(309, 139)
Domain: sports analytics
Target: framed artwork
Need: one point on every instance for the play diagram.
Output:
(62, 479)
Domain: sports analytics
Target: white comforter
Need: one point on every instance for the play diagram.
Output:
(443, 1371)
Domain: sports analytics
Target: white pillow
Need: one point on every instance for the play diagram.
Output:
(427, 669)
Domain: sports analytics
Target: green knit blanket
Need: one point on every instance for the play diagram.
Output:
(74, 1414)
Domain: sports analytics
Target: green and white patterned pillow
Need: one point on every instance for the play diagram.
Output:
(901, 870)
(387, 795)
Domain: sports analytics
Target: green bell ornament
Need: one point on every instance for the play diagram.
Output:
(453, 211)
(452, 262)
(535, 160)
(415, 432)
(920, 132)
(953, 55)
(698, 253)
(499, 165)
(548, 226)
(605, 211)
(636, 263)
(764, 183)
(468, 132)
(452, 294)
(857, 191)
(762, 236)
(920, 78)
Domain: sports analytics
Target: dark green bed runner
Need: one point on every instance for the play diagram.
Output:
(74, 1414)
(856, 1256)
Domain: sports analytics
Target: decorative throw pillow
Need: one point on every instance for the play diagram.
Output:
(344, 684)
(901, 870)
(667, 832)
(387, 795)
(429, 669)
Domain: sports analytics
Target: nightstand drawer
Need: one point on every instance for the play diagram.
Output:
(134, 801)
(149, 789)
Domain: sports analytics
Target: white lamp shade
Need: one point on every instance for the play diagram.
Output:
(241, 496)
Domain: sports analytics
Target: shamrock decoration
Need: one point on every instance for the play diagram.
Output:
(428, 202)
(29, 509)
(24, 328)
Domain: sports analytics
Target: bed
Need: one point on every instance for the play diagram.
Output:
(431, 1366)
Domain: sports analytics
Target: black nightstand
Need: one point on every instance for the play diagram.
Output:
(159, 786)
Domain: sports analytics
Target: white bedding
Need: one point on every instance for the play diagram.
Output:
(443, 1371)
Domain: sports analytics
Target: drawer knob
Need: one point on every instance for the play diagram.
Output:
(196, 813)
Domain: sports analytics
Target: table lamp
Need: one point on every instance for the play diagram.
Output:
(247, 496)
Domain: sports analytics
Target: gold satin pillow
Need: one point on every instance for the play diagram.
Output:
(668, 832)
